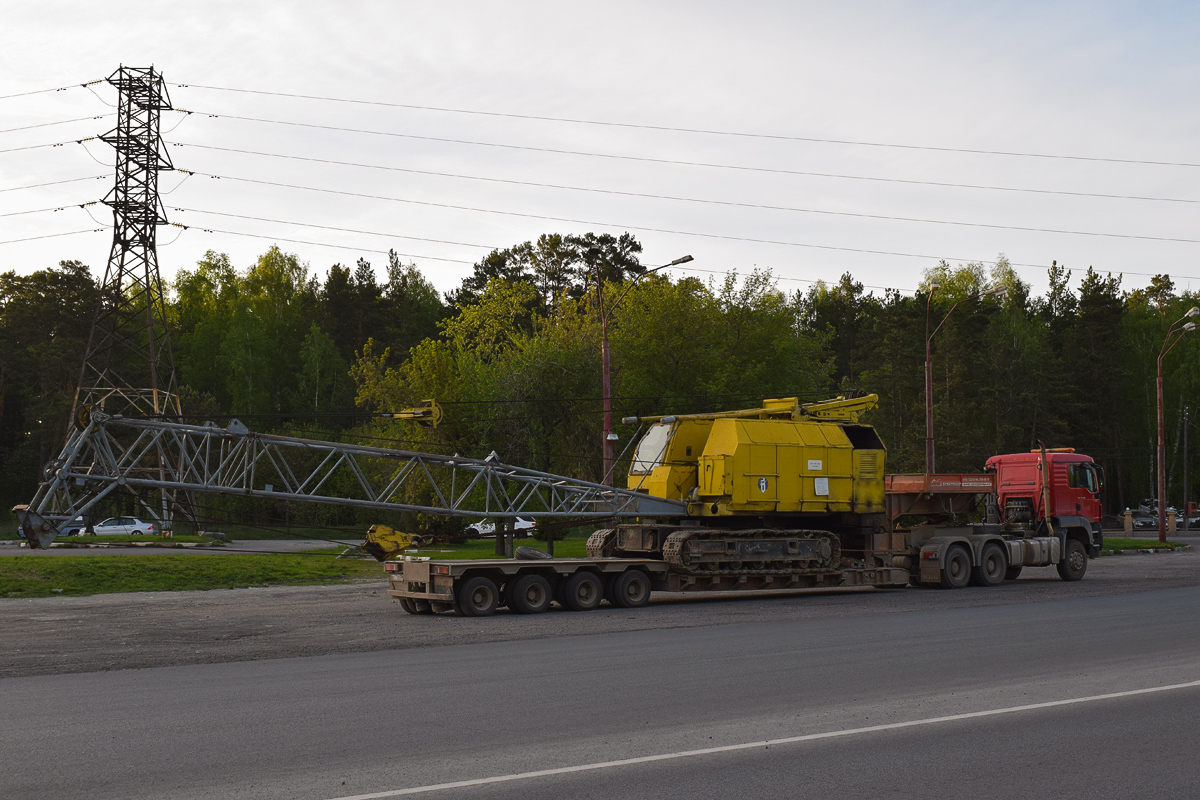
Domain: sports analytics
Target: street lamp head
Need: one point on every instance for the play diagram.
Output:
(934, 286)
(1189, 327)
(678, 261)
(1000, 290)
(1192, 312)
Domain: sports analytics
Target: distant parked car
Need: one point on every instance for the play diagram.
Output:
(1146, 522)
(121, 526)
(520, 527)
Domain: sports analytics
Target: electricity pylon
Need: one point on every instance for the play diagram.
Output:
(128, 367)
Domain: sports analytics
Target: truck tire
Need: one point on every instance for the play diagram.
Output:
(583, 591)
(956, 567)
(478, 597)
(529, 594)
(415, 606)
(1012, 573)
(524, 553)
(630, 589)
(1074, 561)
(993, 564)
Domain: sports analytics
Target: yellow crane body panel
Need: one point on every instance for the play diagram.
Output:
(779, 463)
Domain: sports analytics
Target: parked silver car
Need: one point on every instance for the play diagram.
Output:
(121, 526)
(520, 527)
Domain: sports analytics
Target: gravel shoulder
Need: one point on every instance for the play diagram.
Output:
(153, 629)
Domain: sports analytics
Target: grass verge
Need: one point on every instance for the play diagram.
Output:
(1120, 544)
(31, 576)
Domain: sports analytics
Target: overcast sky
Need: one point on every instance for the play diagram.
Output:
(1094, 80)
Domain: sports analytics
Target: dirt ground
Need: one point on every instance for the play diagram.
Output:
(153, 629)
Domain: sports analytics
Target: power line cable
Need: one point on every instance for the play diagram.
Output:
(54, 183)
(703, 131)
(328, 227)
(41, 210)
(854, 214)
(92, 155)
(48, 91)
(53, 235)
(440, 241)
(51, 144)
(314, 244)
(866, 251)
(60, 122)
(711, 165)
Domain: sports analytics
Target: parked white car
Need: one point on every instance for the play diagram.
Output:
(521, 527)
(121, 526)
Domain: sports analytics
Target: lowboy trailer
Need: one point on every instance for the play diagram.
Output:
(477, 588)
(627, 563)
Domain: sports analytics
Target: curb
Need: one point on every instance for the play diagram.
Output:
(102, 545)
(105, 545)
(1152, 551)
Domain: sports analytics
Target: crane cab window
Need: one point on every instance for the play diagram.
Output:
(651, 449)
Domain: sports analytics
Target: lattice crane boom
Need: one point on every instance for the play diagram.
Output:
(107, 453)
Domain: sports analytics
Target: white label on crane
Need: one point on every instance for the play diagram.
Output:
(762, 485)
(815, 465)
(821, 486)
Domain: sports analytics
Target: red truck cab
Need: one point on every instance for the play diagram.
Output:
(1075, 485)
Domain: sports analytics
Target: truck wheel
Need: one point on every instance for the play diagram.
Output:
(630, 589)
(529, 594)
(1012, 573)
(582, 592)
(1074, 562)
(478, 597)
(415, 606)
(993, 564)
(956, 568)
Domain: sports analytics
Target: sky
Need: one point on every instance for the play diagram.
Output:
(808, 138)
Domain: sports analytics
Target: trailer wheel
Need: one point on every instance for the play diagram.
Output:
(529, 594)
(630, 589)
(1074, 563)
(415, 606)
(582, 592)
(1012, 573)
(956, 568)
(478, 597)
(993, 564)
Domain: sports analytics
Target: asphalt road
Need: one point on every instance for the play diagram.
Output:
(355, 724)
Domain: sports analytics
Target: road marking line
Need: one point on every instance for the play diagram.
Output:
(729, 748)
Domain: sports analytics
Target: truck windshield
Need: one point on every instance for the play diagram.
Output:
(651, 449)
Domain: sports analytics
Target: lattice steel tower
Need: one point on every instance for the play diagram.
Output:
(128, 367)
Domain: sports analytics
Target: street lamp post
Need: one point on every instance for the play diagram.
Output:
(1174, 334)
(609, 438)
(998, 291)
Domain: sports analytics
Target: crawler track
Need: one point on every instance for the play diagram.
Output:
(714, 553)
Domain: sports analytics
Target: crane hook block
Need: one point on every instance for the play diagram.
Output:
(428, 414)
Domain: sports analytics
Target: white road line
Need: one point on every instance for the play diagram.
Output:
(729, 748)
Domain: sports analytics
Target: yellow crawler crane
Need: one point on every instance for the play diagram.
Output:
(383, 543)
(787, 494)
